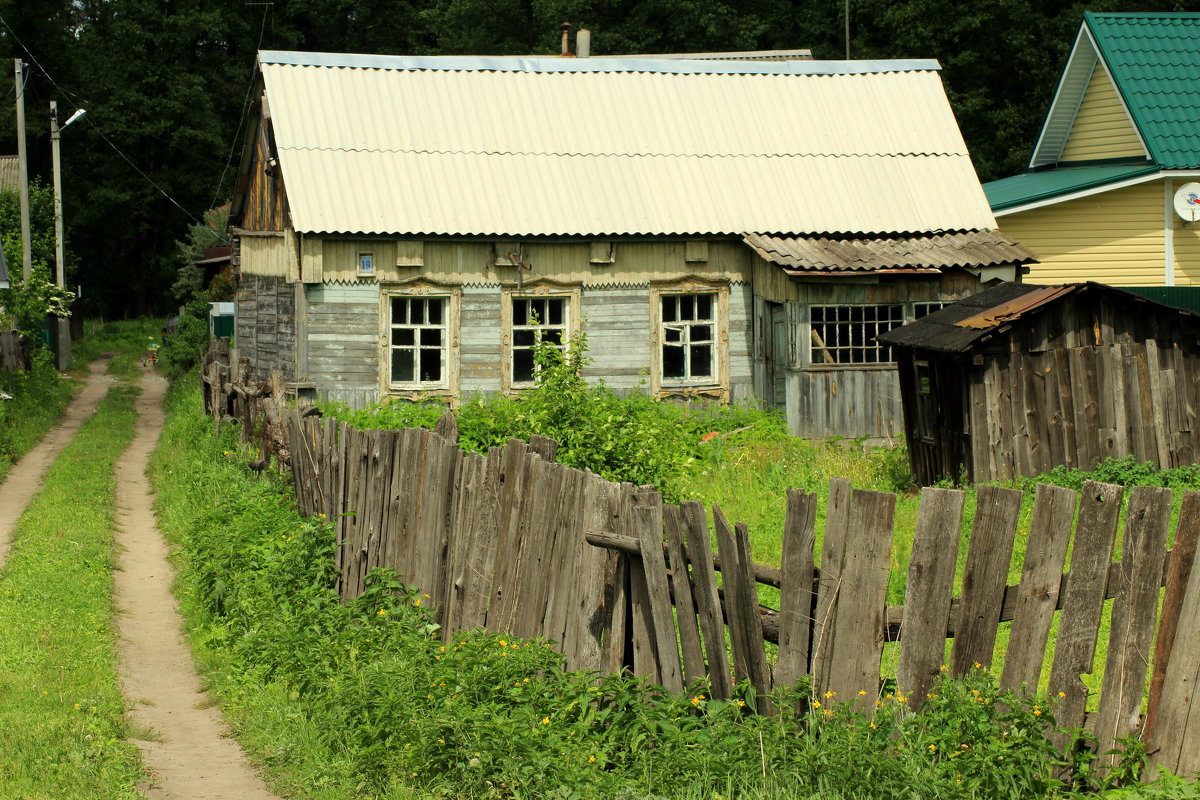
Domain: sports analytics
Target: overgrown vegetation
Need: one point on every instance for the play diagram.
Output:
(182, 349)
(366, 699)
(37, 399)
(62, 726)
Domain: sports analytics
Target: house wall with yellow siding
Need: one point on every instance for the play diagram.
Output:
(1187, 250)
(1102, 129)
(1113, 237)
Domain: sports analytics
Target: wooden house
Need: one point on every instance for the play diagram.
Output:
(1021, 378)
(409, 227)
(1106, 194)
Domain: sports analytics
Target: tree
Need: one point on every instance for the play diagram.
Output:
(211, 233)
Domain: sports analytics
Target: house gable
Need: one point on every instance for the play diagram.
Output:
(1102, 127)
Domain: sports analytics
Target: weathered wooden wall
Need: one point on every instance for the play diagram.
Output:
(511, 541)
(265, 324)
(14, 355)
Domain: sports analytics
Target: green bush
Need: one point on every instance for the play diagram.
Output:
(39, 398)
(182, 349)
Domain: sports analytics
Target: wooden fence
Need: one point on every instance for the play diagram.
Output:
(512, 541)
(14, 353)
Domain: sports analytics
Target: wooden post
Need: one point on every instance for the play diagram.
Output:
(833, 555)
(648, 521)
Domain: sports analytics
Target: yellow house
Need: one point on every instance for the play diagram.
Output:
(1113, 184)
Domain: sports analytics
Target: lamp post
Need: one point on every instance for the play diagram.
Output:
(64, 325)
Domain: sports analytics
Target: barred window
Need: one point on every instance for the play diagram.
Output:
(925, 309)
(534, 320)
(417, 342)
(688, 336)
(846, 334)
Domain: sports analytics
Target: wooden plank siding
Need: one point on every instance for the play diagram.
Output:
(265, 325)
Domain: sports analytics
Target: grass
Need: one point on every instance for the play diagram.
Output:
(62, 730)
(125, 339)
(39, 398)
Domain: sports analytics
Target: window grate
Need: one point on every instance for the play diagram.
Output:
(846, 334)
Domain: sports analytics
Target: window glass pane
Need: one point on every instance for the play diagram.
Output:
(704, 306)
(522, 366)
(701, 361)
(436, 304)
(524, 338)
(431, 337)
(701, 333)
(537, 311)
(403, 336)
(555, 311)
(417, 312)
(673, 362)
(520, 312)
(687, 307)
(552, 336)
(402, 366)
(673, 335)
(670, 309)
(431, 365)
(399, 310)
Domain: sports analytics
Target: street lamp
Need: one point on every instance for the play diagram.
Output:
(64, 325)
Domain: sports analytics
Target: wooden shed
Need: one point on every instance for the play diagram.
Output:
(1021, 378)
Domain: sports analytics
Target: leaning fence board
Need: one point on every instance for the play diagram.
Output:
(856, 646)
(796, 589)
(616, 645)
(592, 600)
(648, 518)
(927, 592)
(1179, 572)
(1041, 575)
(1135, 607)
(537, 546)
(747, 608)
(1175, 740)
(990, 550)
(1075, 643)
(708, 602)
(730, 576)
(681, 591)
(833, 554)
(516, 476)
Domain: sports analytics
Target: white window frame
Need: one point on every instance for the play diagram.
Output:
(569, 326)
(716, 384)
(447, 383)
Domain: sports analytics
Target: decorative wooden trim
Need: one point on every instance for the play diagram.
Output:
(542, 287)
(717, 389)
(421, 288)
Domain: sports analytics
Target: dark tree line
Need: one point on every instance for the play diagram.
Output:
(165, 84)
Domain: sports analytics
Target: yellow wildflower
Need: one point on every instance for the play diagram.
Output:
(545, 720)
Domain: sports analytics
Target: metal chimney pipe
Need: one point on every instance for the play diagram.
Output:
(583, 43)
(566, 39)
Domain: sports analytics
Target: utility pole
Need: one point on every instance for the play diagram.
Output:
(64, 325)
(23, 173)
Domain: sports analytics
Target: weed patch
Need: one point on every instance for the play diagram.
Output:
(39, 396)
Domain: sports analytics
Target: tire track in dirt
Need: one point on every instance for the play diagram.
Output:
(189, 754)
(24, 479)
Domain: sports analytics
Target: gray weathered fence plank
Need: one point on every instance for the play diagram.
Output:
(748, 608)
(1179, 572)
(1041, 576)
(1135, 609)
(681, 591)
(1075, 643)
(591, 603)
(708, 602)
(730, 576)
(927, 592)
(796, 592)
(856, 644)
(833, 555)
(648, 518)
(984, 577)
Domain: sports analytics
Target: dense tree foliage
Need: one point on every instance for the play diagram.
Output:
(165, 83)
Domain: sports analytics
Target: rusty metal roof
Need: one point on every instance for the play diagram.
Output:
(549, 146)
(801, 255)
(959, 326)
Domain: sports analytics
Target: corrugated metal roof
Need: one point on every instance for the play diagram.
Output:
(528, 147)
(1031, 187)
(959, 326)
(1153, 61)
(800, 254)
(10, 174)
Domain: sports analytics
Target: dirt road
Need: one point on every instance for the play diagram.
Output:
(187, 753)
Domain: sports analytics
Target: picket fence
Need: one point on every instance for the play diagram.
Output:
(512, 541)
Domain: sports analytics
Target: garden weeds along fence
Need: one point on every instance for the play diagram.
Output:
(511, 541)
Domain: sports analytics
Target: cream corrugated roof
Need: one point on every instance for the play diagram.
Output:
(10, 170)
(527, 147)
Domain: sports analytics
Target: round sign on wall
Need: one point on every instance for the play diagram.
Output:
(1187, 202)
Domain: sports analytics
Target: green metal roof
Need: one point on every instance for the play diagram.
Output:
(1154, 60)
(1031, 187)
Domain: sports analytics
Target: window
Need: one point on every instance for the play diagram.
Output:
(544, 319)
(688, 338)
(925, 309)
(417, 344)
(843, 335)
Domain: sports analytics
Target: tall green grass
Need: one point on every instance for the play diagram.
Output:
(39, 398)
(62, 729)
(125, 340)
